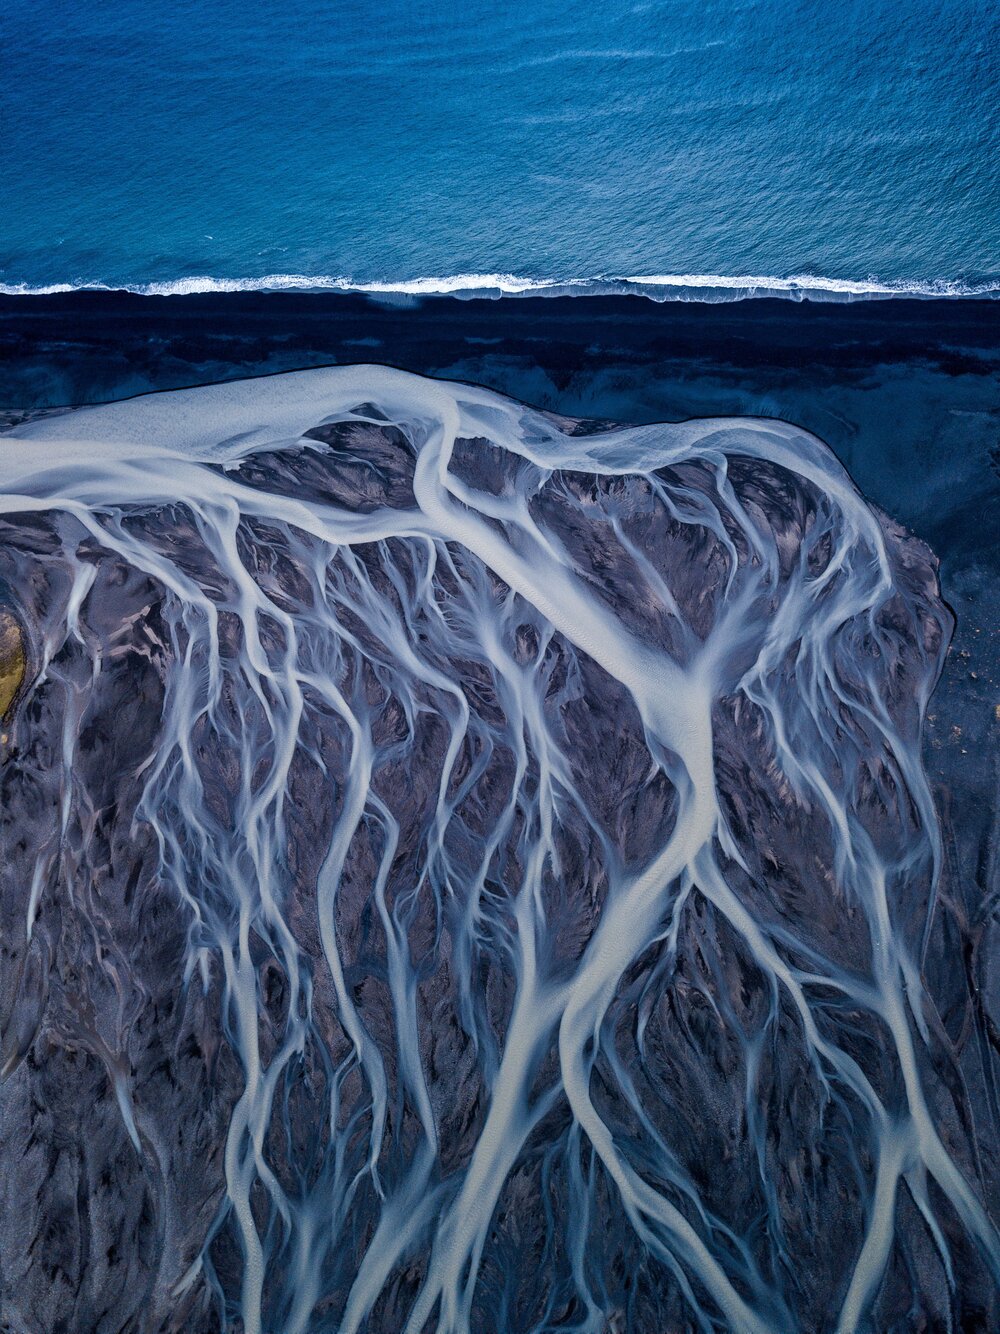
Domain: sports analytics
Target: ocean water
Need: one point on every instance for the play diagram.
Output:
(713, 147)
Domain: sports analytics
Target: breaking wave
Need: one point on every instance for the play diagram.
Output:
(656, 287)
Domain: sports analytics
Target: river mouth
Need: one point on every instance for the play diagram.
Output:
(463, 854)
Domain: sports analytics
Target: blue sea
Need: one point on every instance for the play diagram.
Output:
(685, 148)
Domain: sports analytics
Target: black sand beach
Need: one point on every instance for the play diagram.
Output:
(101, 345)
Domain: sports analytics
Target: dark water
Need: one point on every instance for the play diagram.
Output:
(855, 143)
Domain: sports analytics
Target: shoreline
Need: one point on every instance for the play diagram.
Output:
(700, 288)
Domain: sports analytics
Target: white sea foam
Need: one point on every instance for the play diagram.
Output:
(657, 287)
